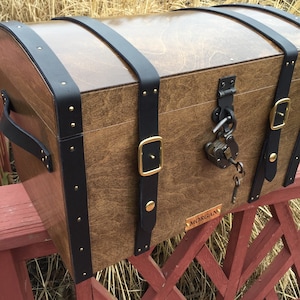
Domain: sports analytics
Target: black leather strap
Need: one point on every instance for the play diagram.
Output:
(149, 151)
(293, 164)
(67, 101)
(20, 137)
(267, 165)
(270, 9)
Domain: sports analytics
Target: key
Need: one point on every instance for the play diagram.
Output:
(237, 183)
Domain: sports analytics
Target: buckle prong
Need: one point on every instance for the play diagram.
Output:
(144, 142)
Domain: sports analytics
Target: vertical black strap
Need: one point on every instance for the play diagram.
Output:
(67, 101)
(267, 164)
(293, 164)
(150, 147)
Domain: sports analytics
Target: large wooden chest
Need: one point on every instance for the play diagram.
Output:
(119, 120)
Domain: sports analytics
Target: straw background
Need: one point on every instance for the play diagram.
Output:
(49, 278)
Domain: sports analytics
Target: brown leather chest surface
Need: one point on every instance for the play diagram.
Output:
(192, 52)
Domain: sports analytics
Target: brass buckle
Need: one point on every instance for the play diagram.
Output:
(144, 142)
(274, 112)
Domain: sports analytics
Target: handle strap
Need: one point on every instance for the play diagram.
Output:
(22, 138)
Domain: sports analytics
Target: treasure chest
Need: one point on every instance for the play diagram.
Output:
(130, 130)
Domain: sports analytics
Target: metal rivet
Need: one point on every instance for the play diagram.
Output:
(71, 108)
(293, 62)
(84, 273)
(47, 166)
(139, 250)
(152, 156)
(76, 188)
(187, 224)
(72, 148)
(19, 26)
(39, 48)
(291, 178)
(287, 63)
(297, 157)
(79, 219)
(43, 158)
(150, 206)
(42, 151)
(155, 91)
(63, 83)
(257, 196)
(73, 124)
(146, 246)
(272, 157)
(144, 93)
(252, 198)
(81, 249)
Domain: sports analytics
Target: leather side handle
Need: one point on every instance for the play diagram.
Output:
(20, 137)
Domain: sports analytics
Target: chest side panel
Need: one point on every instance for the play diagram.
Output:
(33, 111)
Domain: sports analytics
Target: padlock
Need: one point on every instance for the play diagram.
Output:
(222, 151)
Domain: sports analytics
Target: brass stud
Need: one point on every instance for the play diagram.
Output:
(72, 148)
(73, 124)
(150, 206)
(144, 93)
(155, 91)
(79, 219)
(71, 108)
(81, 249)
(76, 188)
(273, 157)
(152, 156)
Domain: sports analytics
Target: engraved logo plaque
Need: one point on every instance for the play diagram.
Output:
(203, 217)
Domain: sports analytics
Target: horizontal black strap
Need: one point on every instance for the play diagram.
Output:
(20, 137)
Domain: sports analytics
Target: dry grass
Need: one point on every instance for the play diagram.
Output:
(36, 10)
(50, 279)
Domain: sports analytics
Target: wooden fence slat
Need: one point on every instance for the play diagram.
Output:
(262, 287)
(237, 249)
(260, 248)
(12, 278)
(213, 269)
